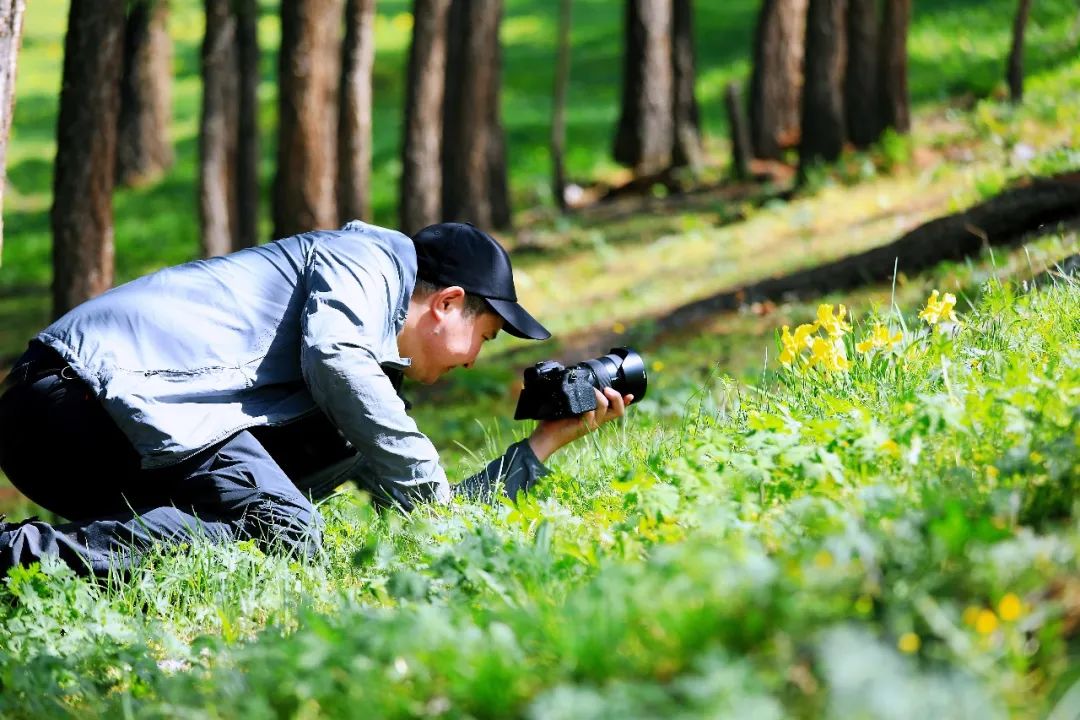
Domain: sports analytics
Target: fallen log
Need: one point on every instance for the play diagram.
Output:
(1000, 221)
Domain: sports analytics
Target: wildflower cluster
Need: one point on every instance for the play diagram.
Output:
(826, 351)
(807, 347)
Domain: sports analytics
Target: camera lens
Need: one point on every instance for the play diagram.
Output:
(622, 369)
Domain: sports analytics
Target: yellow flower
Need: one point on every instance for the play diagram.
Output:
(823, 559)
(1010, 608)
(986, 622)
(658, 365)
(879, 337)
(834, 325)
(829, 355)
(889, 447)
(971, 615)
(790, 349)
(908, 643)
(618, 328)
(939, 310)
(794, 344)
(803, 333)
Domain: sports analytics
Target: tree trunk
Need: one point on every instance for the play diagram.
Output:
(894, 101)
(823, 90)
(777, 79)
(308, 70)
(644, 137)
(558, 107)
(143, 150)
(421, 169)
(740, 138)
(81, 213)
(12, 14)
(247, 143)
(686, 150)
(863, 119)
(467, 148)
(1016, 54)
(354, 122)
(498, 172)
(218, 131)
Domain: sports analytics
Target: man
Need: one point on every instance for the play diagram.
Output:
(218, 398)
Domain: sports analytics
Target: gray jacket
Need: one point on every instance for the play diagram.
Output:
(192, 354)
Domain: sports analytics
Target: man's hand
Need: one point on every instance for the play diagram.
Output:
(550, 435)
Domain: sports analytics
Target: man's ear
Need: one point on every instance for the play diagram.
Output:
(446, 299)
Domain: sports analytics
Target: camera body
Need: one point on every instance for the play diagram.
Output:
(553, 391)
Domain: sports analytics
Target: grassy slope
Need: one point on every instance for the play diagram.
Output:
(898, 540)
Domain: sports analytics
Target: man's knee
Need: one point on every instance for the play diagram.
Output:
(290, 525)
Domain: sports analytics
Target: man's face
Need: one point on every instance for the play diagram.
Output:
(447, 337)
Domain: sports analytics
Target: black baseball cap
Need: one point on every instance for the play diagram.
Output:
(464, 255)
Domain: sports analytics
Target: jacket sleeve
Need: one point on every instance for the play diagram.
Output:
(517, 470)
(347, 315)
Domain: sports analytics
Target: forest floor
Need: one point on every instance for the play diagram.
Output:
(880, 522)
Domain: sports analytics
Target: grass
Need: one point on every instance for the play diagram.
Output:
(813, 545)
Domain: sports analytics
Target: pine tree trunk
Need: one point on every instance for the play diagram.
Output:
(81, 213)
(740, 138)
(467, 147)
(218, 131)
(686, 149)
(558, 107)
(823, 90)
(143, 149)
(1016, 54)
(777, 79)
(354, 123)
(863, 118)
(247, 143)
(498, 172)
(308, 72)
(643, 140)
(421, 169)
(894, 101)
(12, 15)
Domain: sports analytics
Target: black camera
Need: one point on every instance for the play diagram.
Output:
(552, 391)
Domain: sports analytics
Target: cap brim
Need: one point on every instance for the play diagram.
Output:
(519, 322)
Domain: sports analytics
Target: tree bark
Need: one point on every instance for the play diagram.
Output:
(498, 172)
(247, 143)
(81, 213)
(861, 82)
(218, 131)
(1016, 54)
(558, 107)
(468, 144)
(777, 78)
(354, 122)
(308, 71)
(644, 137)
(686, 150)
(421, 168)
(823, 91)
(894, 101)
(143, 149)
(12, 15)
(740, 137)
